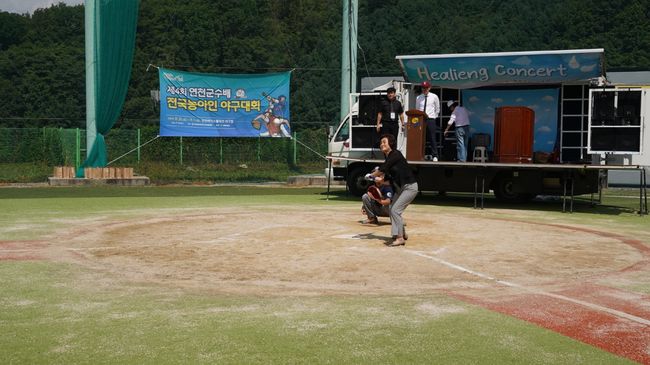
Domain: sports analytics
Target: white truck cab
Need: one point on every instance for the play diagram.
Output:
(356, 136)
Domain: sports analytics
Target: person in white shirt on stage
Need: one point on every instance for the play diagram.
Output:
(460, 117)
(430, 104)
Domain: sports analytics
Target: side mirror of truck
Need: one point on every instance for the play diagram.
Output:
(330, 132)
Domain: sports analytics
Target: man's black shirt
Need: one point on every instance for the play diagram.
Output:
(388, 107)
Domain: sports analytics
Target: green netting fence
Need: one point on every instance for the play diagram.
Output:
(60, 146)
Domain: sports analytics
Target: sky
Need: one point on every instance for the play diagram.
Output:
(482, 104)
(28, 6)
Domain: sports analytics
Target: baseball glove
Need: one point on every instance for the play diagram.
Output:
(256, 124)
(374, 192)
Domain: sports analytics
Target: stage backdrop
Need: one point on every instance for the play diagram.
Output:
(481, 104)
(224, 105)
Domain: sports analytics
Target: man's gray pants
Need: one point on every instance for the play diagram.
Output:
(400, 202)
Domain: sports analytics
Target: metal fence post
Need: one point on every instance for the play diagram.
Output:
(138, 145)
(221, 151)
(181, 150)
(77, 152)
(295, 148)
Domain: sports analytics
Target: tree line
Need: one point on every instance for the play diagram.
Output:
(42, 73)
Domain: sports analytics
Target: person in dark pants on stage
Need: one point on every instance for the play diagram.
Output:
(429, 103)
(391, 114)
(459, 117)
(396, 166)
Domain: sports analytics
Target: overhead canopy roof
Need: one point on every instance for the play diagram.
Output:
(471, 70)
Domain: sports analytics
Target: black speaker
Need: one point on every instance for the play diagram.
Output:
(364, 137)
(604, 111)
(616, 139)
(369, 106)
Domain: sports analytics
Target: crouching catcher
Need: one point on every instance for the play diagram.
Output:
(376, 202)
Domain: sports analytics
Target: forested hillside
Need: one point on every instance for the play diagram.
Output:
(42, 55)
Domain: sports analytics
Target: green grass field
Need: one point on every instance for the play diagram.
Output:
(60, 313)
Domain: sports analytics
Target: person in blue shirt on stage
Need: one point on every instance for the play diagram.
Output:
(460, 117)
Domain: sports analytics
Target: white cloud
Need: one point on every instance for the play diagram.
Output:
(548, 98)
(544, 129)
(522, 61)
(534, 106)
(487, 119)
(587, 68)
(519, 100)
(497, 100)
(28, 6)
(474, 99)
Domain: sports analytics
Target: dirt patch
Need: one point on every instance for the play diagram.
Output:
(281, 250)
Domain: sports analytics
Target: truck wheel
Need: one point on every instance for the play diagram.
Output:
(357, 184)
(504, 191)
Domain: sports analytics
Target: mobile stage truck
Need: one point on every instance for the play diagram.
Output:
(542, 123)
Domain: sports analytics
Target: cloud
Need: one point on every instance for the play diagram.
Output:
(487, 119)
(522, 61)
(519, 100)
(544, 129)
(588, 68)
(534, 106)
(497, 100)
(548, 98)
(474, 99)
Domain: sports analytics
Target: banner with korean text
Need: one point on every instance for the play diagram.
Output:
(224, 105)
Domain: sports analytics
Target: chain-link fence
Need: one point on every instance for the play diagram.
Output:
(59, 146)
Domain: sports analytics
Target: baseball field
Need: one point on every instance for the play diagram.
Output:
(273, 274)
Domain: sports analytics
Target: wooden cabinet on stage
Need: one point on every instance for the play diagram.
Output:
(513, 134)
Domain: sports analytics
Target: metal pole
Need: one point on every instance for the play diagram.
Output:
(221, 151)
(295, 149)
(181, 150)
(329, 177)
(77, 154)
(91, 21)
(139, 136)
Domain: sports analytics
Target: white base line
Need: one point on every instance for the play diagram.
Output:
(533, 290)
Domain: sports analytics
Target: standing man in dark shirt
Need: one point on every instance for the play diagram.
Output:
(390, 114)
(404, 179)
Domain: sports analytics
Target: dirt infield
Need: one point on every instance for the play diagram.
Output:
(569, 279)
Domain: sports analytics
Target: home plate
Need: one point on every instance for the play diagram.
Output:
(354, 236)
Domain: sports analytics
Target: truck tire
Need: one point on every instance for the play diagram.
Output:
(504, 191)
(357, 184)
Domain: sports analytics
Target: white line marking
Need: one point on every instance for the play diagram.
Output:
(534, 290)
(353, 236)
